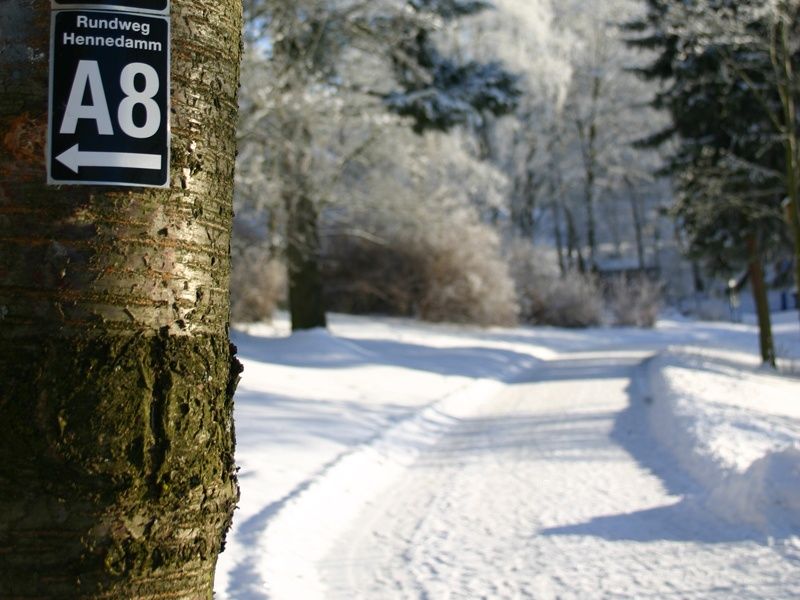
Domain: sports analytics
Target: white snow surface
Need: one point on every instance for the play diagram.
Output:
(385, 458)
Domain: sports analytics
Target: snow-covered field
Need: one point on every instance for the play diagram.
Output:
(392, 459)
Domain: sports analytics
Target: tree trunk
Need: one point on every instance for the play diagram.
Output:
(573, 244)
(303, 252)
(782, 61)
(523, 204)
(117, 478)
(657, 245)
(638, 222)
(761, 299)
(306, 299)
(591, 226)
(587, 133)
(557, 234)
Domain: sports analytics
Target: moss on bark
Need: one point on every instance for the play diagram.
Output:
(119, 465)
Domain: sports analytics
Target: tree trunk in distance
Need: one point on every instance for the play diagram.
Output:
(558, 236)
(759, 288)
(303, 252)
(783, 62)
(587, 132)
(573, 243)
(638, 225)
(306, 299)
(117, 478)
(591, 227)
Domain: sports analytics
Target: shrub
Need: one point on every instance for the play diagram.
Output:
(368, 276)
(634, 302)
(466, 278)
(434, 265)
(546, 297)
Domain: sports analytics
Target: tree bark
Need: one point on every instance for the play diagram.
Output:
(761, 299)
(558, 235)
(303, 252)
(587, 133)
(573, 244)
(117, 478)
(523, 204)
(306, 298)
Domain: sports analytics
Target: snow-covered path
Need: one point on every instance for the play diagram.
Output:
(551, 490)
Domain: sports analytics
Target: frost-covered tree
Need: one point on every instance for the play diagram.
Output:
(758, 46)
(439, 92)
(568, 149)
(605, 113)
(310, 49)
(524, 36)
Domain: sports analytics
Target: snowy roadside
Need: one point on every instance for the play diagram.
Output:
(735, 429)
(326, 420)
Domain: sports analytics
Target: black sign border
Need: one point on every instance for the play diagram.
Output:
(107, 7)
(49, 151)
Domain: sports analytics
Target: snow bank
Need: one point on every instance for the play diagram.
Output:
(735, 429)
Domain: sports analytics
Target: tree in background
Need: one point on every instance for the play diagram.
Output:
(307, 47)
(567, 149)
(439, 93)
(116, 375)
(523, 173)
(727, 160)
(759, 44)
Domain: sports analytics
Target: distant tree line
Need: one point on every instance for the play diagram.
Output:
(405, 157)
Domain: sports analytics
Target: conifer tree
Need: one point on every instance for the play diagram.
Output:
(724, 159)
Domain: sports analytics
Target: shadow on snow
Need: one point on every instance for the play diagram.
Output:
(687, 520)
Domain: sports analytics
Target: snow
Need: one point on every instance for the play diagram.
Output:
(732, 428)
(391, 459)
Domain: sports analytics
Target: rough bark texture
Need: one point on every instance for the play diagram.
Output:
(759, 289)
(116, 376)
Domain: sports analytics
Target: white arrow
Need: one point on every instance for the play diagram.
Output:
(75, 159)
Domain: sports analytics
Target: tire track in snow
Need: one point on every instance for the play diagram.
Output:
(291, 536)
(535, 497)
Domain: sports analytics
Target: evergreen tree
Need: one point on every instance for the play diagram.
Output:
(438, 93)
(724, 158)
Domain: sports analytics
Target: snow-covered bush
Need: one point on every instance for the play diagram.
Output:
(546, 297)
(366, 275)
(634, 302)
(446, 267)
(258, 285)
(466, 277)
